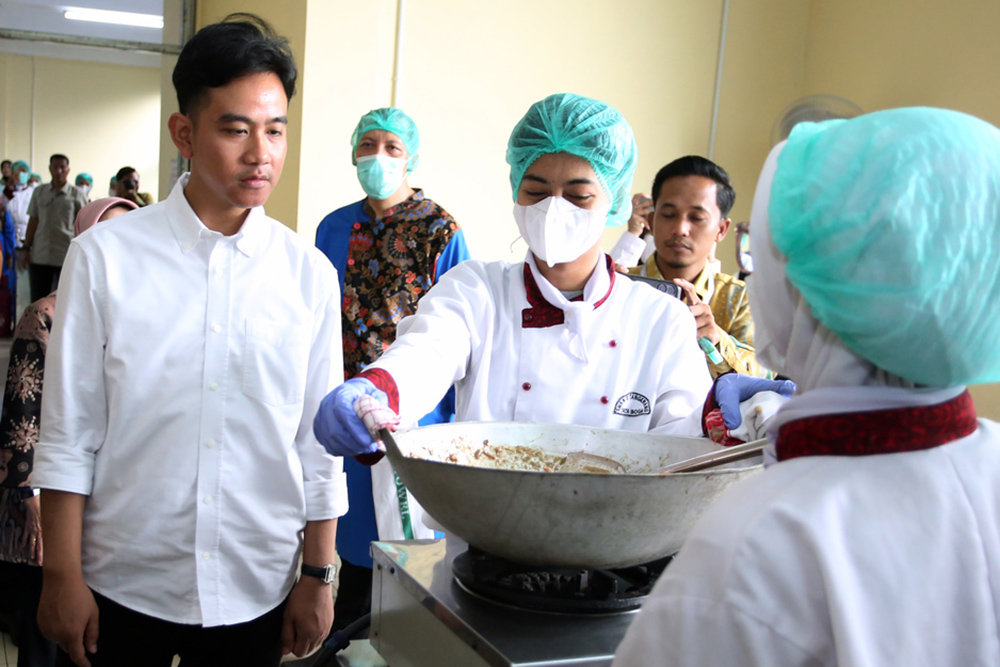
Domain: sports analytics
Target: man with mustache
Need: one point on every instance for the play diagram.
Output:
(692, 198)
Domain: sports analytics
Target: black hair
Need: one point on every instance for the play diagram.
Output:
(239, 45)
(695, 165)
(58, 156)
(123, 172)
(7, 162)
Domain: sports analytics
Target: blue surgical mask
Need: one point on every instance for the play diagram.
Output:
(22, 178)
(381, 175)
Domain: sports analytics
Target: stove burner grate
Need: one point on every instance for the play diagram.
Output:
(556, 590)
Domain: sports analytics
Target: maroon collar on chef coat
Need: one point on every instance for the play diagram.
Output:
(878, 431)
(543, 314)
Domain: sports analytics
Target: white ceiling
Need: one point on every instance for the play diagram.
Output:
(47, 16)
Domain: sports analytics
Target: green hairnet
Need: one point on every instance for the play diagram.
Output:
(595, 131)
(21, 164)
(890, 223)
(392, 120)
(86, 177)
(34, 175)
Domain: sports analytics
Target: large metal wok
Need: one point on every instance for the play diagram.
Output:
(555, 519)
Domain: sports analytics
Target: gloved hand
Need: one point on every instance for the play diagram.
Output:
(337, 425)
(732, 389)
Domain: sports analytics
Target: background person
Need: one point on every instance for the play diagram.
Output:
(874, 538)
(20, 528)
(127, 187)
(221, 396)
(52, 210)
(692, 198)
(5, 172)
(84, 183)
(388, 249)
(636, 244)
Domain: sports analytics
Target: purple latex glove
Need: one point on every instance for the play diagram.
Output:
(337, 425)
(732, 389)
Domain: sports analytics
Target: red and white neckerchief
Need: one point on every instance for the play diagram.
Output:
(549, 307)
(887, 431)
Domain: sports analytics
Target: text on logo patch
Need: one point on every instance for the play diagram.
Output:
(632, 405)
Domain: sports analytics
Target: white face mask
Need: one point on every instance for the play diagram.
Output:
(558, 231)
(84, 188)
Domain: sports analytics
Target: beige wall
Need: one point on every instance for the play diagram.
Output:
(102, 116)
(896, 53)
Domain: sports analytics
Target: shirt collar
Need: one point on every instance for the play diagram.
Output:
(703, 284)
(189, 230)
(410, 202)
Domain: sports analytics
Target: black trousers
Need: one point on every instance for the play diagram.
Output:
(24, 583)
(43, 279)
(354, 596)
(127, 638)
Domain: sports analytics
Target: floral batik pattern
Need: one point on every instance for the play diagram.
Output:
(22, 407)
(391, 263)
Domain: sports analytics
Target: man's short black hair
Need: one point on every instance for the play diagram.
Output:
(695, 165)
(6, 162)
(58, 156)
(241, 44)
(123, 172)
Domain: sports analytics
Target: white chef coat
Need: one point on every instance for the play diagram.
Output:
(644, 370)
(868, 561)
(630, 250)
(181, 380)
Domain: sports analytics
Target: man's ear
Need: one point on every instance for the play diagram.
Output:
(723, 228)
(181, 133)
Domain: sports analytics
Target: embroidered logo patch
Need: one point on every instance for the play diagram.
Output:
(632, 405)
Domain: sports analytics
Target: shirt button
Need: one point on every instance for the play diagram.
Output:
(350, 262)
(214, 386)
(527, 317)
(604, 399)
(216, 328)
(613, 343)
(526, 386)
(186, 246)
(210, 444)
(357, 225)
(206, 556)
(208, 500)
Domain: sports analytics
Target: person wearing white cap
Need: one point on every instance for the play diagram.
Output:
(874, 538)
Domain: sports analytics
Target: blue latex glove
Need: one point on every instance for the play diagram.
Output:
(732, 389)
(337, 425)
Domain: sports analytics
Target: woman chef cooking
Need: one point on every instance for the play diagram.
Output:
(560, 337)
(875, 539)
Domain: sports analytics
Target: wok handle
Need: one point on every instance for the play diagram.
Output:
(390, 443)
(728, 455)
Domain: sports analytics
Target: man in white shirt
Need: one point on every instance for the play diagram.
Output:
(192, 344)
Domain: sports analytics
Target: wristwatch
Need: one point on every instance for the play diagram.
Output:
(324, 574)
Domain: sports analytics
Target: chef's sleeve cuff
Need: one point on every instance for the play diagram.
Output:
(326, 498)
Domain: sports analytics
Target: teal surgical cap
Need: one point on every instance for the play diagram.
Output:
(21, 164)
(392, 120)
(595, 131)
(890, 223)
(84, 176)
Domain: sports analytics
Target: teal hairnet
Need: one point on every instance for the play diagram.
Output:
(595, 131)
(21, 164)
(891, 226)
(35, 176)
(87, 177)
(392, 120)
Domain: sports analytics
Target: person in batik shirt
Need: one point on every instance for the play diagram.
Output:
(388, 249)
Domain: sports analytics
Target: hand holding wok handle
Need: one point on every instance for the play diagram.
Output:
(734, 395)
(342, 428)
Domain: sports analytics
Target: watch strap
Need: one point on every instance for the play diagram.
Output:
(324, 574)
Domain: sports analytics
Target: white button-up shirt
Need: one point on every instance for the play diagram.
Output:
(182, 377)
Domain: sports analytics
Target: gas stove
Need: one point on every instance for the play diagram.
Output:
(422, 616)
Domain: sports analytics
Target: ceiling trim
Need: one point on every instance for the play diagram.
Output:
(121, 44)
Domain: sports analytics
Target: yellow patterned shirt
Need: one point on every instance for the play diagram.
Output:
(727, 297)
